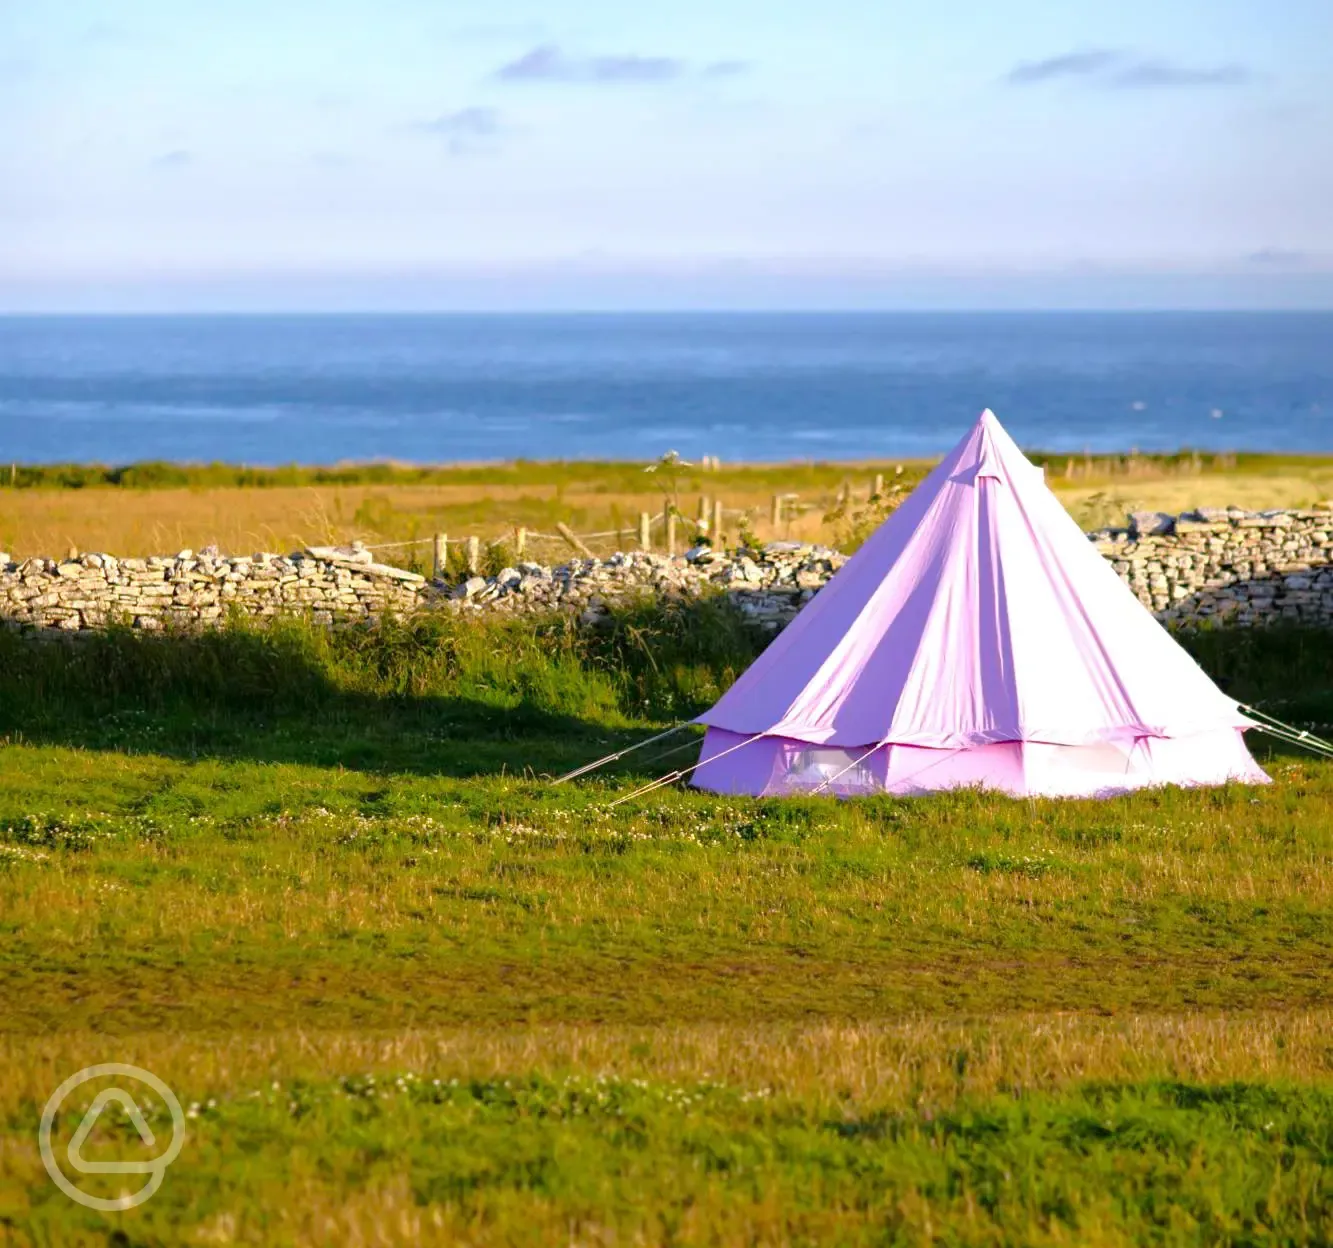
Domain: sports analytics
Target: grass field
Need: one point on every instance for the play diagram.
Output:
(409, 992)
(157, 509)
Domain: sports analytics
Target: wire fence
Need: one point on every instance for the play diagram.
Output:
(667, 531)
(661, 531)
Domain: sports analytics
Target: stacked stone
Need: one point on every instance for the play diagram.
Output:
(768, 585)
(188, 590)
(1225, 565)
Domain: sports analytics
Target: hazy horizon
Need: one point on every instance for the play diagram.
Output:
(389, 313)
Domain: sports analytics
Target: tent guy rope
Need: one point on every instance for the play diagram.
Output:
(1286, 732)
(672, 776)
(611, 758)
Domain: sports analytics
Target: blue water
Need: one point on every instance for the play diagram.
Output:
(268, 390)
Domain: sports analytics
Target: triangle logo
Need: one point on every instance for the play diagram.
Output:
(85, 1129)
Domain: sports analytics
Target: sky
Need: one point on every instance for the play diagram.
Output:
(421, 154)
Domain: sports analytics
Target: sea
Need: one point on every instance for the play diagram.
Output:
(264, 390)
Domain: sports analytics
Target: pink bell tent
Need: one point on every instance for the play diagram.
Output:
(976, 639)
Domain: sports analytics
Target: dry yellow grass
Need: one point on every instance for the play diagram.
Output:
(885, 1064)
(143, 522)
(238, 520)
(1108, 500)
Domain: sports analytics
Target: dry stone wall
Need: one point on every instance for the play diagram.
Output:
(1228, 566)
(188, 589)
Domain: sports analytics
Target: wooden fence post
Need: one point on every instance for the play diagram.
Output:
(716, 534)
(572, 538)
(671, 531)
(645, 531)
(705, 513)
(877, 485)
(776, 510)
(474, 554)
(439, 556)
(520, 541)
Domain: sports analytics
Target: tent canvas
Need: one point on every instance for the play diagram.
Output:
(977, 638)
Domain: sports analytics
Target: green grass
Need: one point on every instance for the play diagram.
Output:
(596, 476)
(615, 476)
(151, 475)
(609, 475)
(269, 865)
(189, 896)
(535, 1156)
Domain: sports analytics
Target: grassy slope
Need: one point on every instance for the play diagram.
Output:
(270, 866)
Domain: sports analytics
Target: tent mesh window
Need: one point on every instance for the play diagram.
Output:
(809, 766)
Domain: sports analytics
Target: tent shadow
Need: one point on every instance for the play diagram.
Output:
(245, 694)
(1283, 666)
(236, 695)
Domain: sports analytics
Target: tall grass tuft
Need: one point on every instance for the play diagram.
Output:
(652, 662)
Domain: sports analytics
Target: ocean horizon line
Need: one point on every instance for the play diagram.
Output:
(751, 387)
